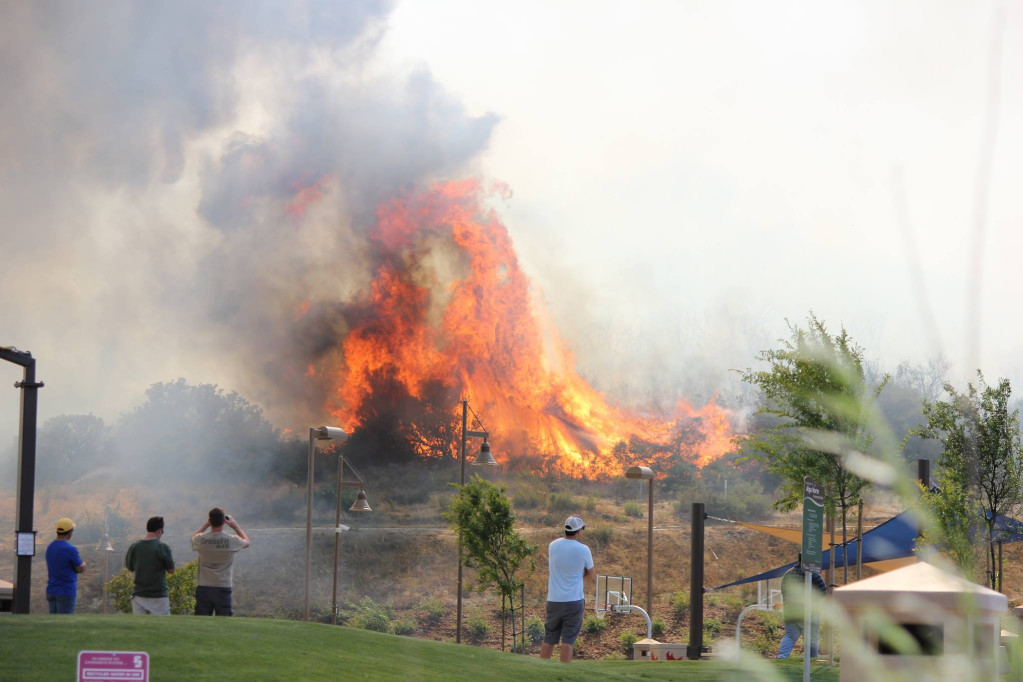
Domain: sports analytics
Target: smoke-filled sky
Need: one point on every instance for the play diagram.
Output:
(181, 183)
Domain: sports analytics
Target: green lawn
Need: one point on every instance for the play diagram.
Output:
(43, 647)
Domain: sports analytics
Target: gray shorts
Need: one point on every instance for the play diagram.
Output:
(564, 620)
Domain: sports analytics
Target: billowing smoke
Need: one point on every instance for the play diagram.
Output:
(181, 183)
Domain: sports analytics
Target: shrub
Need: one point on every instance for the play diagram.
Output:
(601, 536)
(562, 502)
(764, 644)
(657, 628)
(734, 603)
(432, 610)
(527, 497)
(680, 603)
(633, 510)
(370, 615)
(591, 504)
(773, 623)
(180, 588)
(535, 630)
(404, 626)
(594, 624)
(476, 627)
(627, 639)
(712, 628)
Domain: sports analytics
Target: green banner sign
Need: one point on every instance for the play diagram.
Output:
(813, 525)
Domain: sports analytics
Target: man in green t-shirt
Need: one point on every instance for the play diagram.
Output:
(151, 562)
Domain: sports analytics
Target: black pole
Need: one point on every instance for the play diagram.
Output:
(1000, 566)
(461, 481)
(26, 470)
(923, 472)
(696, 584)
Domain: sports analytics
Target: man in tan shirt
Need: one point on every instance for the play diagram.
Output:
(216, 555)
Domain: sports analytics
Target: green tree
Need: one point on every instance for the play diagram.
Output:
(981, 469)
(182, 429)
(70, 446)
(481, 515)
(818, 401)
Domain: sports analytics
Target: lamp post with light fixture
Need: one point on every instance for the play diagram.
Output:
(105, 547)
(361, 504)
(323, 433)
(483, 458)
(647, 474)
(25, 542)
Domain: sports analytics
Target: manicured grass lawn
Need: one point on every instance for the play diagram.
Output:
(43, 647)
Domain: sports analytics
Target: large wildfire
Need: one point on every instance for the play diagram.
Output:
(449, 316)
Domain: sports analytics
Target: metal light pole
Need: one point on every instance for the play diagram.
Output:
(647, 474)
(105, 548)
(25, 542)
(360, 505)
(695, 649)
(484, 457)
(322, 433)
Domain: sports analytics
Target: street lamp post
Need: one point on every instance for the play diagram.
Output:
(105, 548)
(361, 504)
(25, 543)
(483, 458)
(323, 433)
(648, 474)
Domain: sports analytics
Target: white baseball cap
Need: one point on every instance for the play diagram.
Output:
(574, 523)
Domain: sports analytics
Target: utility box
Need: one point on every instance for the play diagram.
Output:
(651, 650)
(952, 625)
(6, 596)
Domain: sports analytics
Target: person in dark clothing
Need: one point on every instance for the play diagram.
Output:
(793, 588)
(151, 562)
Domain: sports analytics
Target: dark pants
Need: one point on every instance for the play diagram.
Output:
(564, 620)
(210, 601)
(62, 603)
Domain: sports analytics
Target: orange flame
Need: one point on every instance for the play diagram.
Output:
(451, 307)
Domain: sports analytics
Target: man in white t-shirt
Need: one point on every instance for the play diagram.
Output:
(216, 556)
(570, 561)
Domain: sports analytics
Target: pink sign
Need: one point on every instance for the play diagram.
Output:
(107, 666)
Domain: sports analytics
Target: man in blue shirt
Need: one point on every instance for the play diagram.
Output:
(570, 561)
(64, 564)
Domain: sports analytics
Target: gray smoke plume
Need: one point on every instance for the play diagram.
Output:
(184, 186)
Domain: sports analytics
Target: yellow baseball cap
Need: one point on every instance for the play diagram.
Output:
(64, 525)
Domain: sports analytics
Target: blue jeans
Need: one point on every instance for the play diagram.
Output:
(62, 603)
(793, 631)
